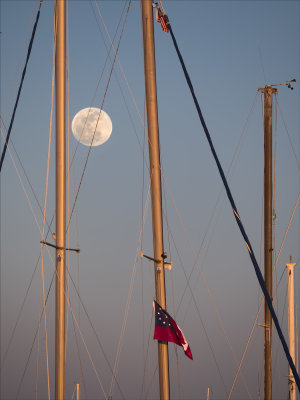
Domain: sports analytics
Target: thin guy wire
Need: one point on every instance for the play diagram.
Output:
(287, 229)
(128, 300)
(21, 310)
(19, 61)
(244, 352)
(11, 144)
(219, 319)
(289, 138)
(87, 158)
(45, 205)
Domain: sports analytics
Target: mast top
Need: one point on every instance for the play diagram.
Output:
(269, 87)
(290, 264)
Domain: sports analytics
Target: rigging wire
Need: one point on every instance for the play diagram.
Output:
(102, 72)
(11, 145)
(94, 330)
(79, 356)
(71, 166)
(87, 350)
(82, 379)
(45, 205)
(104, 97)
(81, 335)
(201, 320)
(237, 217)
(82, 338)
(244, 352)
(38, 348)
(196, 263)
(142, 121)
(277, 348)
(150, 385)
(20, 311)
(286, 232)
(129, 296)
(31, 348)
(192, 294)
(229, 172)
(122, 71)
(19, 60)
(289, 138)
(45, 322)
(180, 388)
(73, 393)
(96, 90)
(78, 285)
(24, 190)
(141, 261)
(143, 394)
(20, 87)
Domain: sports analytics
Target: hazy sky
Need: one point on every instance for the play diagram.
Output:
(231, 48)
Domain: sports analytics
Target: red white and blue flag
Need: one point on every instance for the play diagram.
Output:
(162, 18)
(167, 330)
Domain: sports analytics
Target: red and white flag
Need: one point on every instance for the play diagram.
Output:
(163, 19)
(167, 330)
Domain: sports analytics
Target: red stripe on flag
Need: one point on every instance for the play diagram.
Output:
(164, 25)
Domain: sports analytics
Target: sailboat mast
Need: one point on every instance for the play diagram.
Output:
(268, 91)
(291, 323)
(60, 111)
(155, 182)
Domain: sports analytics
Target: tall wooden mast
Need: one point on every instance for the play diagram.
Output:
(60, 94)
(268, 91)
(155, 182)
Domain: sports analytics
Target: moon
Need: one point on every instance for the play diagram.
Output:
(91, 126)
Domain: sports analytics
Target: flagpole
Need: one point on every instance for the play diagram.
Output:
(155, 183)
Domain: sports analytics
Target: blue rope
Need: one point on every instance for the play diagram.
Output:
(238, 219)
(20, 88)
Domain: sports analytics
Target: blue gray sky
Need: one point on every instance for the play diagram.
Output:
(231, 48)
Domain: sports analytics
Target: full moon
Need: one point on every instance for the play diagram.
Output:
(91, 126)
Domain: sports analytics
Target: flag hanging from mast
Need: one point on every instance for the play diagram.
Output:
(167, 330)
(162, 18)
